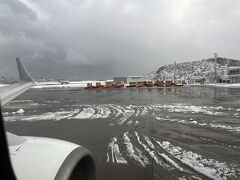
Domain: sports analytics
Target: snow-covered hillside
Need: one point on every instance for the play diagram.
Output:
(188, 70)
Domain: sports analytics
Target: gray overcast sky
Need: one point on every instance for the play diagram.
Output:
(97, 39)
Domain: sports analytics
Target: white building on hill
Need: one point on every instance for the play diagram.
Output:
(232, 75)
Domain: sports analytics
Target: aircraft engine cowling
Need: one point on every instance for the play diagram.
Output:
(79, 165)
(42, 158)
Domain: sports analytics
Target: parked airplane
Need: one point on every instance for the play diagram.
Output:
(42, 158)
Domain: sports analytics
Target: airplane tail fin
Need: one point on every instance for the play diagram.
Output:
(23, 73)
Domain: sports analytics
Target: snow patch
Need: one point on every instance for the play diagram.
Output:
(170, 161)
(6, 113)
(127, 113)
(208, 167)
(86, 113)
(151, 153)
(115, 152)
(184, 108)
(20, 111)
(211, 125)
(136, 154)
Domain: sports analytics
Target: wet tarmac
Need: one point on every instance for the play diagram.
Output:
(165, 133)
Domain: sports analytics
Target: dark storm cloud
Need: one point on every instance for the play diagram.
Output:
(92, 39)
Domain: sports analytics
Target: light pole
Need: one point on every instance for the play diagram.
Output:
(174, 75)
(215, 67)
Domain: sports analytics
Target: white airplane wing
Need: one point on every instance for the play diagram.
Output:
(42, 158)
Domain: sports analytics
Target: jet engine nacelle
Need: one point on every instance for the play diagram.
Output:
(42, 158)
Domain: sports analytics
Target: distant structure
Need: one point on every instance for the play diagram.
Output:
(231, 76)
(128, 79)
(215, 68)
(174, 75)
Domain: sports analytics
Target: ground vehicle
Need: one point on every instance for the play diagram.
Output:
(99, 85)
(159, 84)
(168, 83)
(179, 83)
(89, 86)
(149, 84)
(139, 84)
(108, 84)
(132, 84)
(118, 85)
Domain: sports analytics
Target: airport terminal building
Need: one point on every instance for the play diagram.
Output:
(128, 79)
(232, 76)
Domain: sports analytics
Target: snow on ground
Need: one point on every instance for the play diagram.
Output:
(115, 153)
(170, 161)
(59, 115)
(20, 111)
(93, 112)
(188, 108)
(209, 125)
(2, 85)
(130, 115)
(134, 153)
(150, 152)
(236, 85)
(226, 85)
(169, 156)
(148, 149)
(209, 167)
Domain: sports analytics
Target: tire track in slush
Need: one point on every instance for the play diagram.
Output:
(132, 115)
(170, 157)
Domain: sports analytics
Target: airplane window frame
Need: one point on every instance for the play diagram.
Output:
(7, 169)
